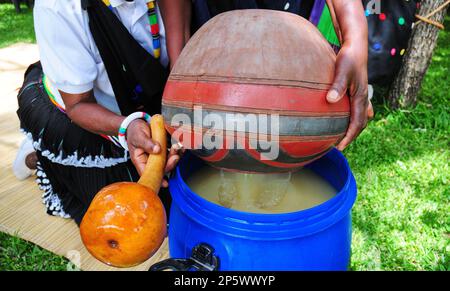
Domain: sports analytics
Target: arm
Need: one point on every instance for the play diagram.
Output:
(351, 66)
(83, 110)
(176, 15)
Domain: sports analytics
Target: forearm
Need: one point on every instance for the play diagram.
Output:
(95, 118)
(352, 22)
(175, 14)
(351, 66)
(84, 111)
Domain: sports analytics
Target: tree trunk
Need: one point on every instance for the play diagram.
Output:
(423, 40)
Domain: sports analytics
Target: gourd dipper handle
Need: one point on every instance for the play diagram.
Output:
(154, 169)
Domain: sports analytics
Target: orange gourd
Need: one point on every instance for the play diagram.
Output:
(126, 222)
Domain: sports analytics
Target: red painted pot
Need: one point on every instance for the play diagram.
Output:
(248, 93)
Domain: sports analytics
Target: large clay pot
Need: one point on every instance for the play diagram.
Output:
(255, 62)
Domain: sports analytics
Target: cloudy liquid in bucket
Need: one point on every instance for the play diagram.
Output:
(261, 193)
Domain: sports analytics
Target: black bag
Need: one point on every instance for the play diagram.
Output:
(389, 31)
(137, 78)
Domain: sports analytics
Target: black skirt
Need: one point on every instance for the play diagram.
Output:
(74, 164)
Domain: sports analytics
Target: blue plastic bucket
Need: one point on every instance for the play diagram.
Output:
(318, 238)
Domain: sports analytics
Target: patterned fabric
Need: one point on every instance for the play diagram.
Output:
(390, 27)
(50, 199)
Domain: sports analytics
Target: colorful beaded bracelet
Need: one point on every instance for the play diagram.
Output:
(126, 122)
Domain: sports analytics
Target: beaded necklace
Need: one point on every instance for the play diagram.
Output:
(154, 26)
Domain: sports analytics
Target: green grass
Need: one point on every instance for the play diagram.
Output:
(401, 163)
(401, 218)
(17, 254)
(15, 27)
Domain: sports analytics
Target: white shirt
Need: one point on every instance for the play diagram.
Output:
(70, 59)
